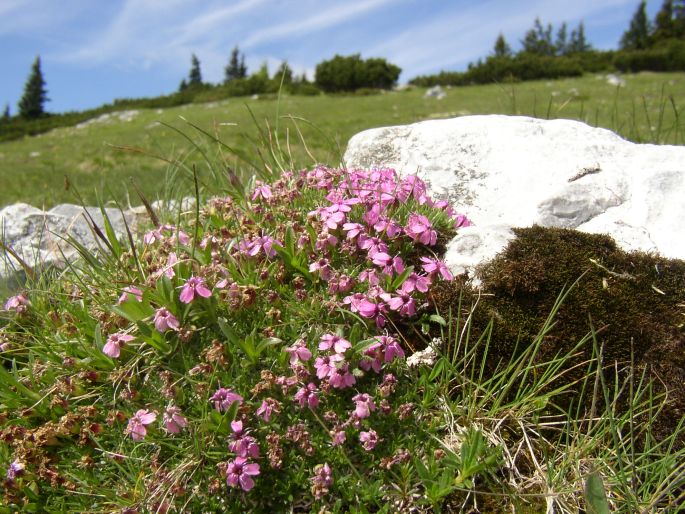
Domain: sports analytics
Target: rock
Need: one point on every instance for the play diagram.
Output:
(615, 80)
(505, 172)
(435, 92)
(38, 236)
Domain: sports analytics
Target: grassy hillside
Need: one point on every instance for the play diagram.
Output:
(648, 109)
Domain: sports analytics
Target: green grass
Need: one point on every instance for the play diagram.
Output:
(33, 170)
(483, 432)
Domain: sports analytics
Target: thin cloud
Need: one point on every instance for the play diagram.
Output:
(452, 40)
(320, 21)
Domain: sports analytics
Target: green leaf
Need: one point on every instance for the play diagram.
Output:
(595, 496)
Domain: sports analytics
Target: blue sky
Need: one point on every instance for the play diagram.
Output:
(93, 51)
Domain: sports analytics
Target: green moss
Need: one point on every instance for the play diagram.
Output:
(631, 300)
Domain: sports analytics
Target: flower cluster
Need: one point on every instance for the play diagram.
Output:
(274, 343)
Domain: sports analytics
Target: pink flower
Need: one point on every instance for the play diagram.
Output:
(363, 405)
(341, 378)
(130, 291)
(353, 230)
(368, 439)
(307, 396)
(298, 352)
(415, 282)
(173, 420)
(114, 343)
(338, 437)
(266, 409)
(194, 286)
(338, 344)
(18, 304)
(262, 191)
(239, 472)
(420, 229)
(461, 221)
(170, 263)
(136, 425)
(403, 303)
(325, 366)
(223, 398)
(323, 268)
(435, 266)
(164, 320)
(243, 445)
(323, 475)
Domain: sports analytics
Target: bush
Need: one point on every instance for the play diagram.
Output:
(351, 73)
(668, 55)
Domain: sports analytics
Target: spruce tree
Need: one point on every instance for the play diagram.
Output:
(236, 68)
(663, 22)
(679, 19)
(578, 42)
(195, 75)
(35, 94)
(6, 112)
(538, 40)
(637, 35)
(561, 43)
(502, 48)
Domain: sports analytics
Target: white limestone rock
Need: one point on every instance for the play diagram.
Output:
(38, 236)
(505, 172)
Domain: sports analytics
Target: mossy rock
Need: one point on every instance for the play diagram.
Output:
(633, 302)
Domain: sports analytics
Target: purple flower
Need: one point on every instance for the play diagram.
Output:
(173, 420)
(338, 344)
(136, 425)
(194, 286)
(435, 266)
(298, 352)
(323, 268)
(164, 320)
(16, 469)
(114, 343)
(18, 304)
(239, 472)
(364, 405)
(420, 229)
(368, 439)
(223, 398)
(307, 396)
(128, 292)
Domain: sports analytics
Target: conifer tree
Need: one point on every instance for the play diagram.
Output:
(35, 94)
(195, 75)
(236, 68)
(663, 22)
(578, 42)
(538, 40)
(502, 48)
(637, 35)
(6, 112)
(284, 73)
(561, 43)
